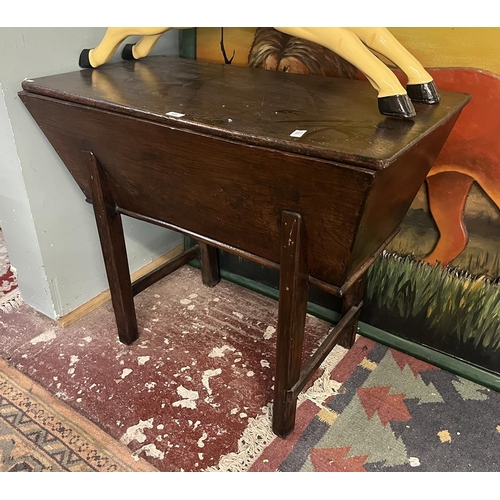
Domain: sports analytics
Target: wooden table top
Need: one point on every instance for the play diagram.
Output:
(254, 106)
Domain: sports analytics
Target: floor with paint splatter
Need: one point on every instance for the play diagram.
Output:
(182, 395)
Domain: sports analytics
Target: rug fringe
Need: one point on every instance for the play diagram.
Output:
(258, 434)
(11, 301)
(256, 437)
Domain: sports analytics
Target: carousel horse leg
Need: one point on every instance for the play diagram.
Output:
(93, 58)
(392, 97)
(142, 48)
(421, 86)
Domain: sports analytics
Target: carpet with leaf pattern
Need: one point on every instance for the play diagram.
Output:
(392, 412)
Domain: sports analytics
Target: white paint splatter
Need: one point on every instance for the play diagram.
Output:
(234, 411)
(201, 444)
(414, 462)
(200, 456)
(243, 415)
(150, 385)
(185, 302)
(43, 337)
(250, 373)
(196, 424)
(150, 450)
(238, 315)
(218, 352)
(264, 363)
(191, 307)
(143, 359)
(126, 372)
(270, 330)
(87, 339)
(136, 432)
(189, 398)
(193, 296)
(205, 378)
(73, 360)
(160, 426)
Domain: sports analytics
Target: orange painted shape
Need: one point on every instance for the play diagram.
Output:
(390, 407)
(334, 460)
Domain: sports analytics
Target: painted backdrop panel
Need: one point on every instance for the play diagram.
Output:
(438, 284)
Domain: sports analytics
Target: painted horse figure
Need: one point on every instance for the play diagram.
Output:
(352, 44)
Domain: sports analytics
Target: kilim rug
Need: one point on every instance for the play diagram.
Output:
(9, 293)
(39, 433)
(391, 412)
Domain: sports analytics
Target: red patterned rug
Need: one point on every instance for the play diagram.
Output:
(9, 293)
(392, 412)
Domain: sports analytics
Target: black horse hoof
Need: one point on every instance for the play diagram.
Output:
(398, 106)
(127, 53)
(423, 92)
(84, 61)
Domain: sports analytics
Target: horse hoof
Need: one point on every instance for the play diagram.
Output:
(423, 92)
(127, 53)
(84, 61)
(398, 106)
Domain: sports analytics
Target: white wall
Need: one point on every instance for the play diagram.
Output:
(48, 227)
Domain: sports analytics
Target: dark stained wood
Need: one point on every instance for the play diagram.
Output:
(229, 174)
(292, 307)
(163, 182)
(109, 226)
(253, 106)
(209, 261)
(353, 298)
(164, 270)
(347, 321)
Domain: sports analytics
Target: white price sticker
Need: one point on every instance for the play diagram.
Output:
(298, 133)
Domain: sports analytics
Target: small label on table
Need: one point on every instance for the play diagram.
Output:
(298, 133)
(174, 114)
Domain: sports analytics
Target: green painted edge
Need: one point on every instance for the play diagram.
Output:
(427, 354)
(187, 44)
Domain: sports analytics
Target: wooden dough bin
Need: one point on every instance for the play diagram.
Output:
(209, 150)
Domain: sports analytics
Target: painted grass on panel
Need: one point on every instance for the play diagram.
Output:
(446, 301)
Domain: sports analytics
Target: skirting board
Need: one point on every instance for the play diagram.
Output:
(103, 297)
